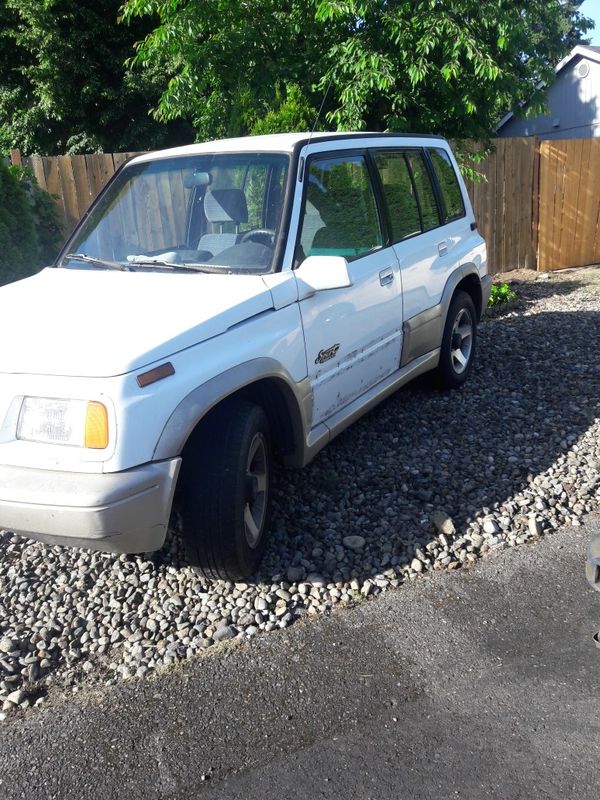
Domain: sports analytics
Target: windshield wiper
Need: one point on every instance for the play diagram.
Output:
(212, 268)
(192, 266)
(101, 262)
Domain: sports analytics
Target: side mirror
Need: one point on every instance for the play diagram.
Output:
(318, 273)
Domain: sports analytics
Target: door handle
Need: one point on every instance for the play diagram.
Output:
(442, 248)
(386, 276)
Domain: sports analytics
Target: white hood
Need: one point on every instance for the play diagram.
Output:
(100, 323)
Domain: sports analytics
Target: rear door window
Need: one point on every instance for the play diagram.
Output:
(399, 193)
(454, 207)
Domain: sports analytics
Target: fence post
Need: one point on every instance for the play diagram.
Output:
(535, 200)
(15, 158)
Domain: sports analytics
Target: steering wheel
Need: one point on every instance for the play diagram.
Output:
(264, 236)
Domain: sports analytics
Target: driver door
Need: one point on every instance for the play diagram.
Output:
(353, 335)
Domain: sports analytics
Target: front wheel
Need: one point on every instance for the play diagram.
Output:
(226, 498)
(458, 343)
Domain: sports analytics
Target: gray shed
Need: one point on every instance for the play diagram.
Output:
(573, 102)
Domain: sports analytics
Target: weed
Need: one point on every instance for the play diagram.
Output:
(501, 293)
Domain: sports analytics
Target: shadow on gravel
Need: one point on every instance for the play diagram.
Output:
(535, 391)
(538, 289)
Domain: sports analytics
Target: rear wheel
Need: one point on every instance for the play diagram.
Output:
(458, 343)
(226, 498)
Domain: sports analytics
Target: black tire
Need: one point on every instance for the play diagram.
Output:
(451, 372)
(221, 484)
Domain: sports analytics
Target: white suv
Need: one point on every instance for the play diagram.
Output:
(218, 306)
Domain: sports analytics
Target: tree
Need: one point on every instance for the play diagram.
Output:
(64, 86)
(453, 66)
(232, 63)
(449, 66)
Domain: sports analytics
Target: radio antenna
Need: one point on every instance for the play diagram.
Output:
(301, 168)
(318, 117)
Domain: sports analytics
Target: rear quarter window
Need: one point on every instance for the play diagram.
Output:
(454, 207)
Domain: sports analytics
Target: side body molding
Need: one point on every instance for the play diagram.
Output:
(188, 413)
(423, 331)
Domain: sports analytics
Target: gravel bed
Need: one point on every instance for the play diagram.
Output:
(426, 482)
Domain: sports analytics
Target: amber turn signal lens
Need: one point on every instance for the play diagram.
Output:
(156, 374)
(96, 426)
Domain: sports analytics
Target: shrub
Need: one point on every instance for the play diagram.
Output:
(50, 235)
(19, 244)
(29, 230)
(501, 293)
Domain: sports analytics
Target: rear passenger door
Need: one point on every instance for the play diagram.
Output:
(423, 241)
(353, 335)
(456, 225)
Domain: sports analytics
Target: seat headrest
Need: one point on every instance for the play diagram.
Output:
(226, 205)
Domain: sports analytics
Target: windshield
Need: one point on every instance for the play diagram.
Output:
(214, 213)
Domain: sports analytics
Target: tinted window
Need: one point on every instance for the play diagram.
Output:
(425, 194)
(454, 206)
(399, 194)
(340, 215)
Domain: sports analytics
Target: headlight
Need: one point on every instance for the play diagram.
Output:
(79, 423)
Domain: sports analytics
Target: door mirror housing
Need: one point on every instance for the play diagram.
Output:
(318, 273)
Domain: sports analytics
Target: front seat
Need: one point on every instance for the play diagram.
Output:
(223, 206)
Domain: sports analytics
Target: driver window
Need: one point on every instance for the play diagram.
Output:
(340, 216)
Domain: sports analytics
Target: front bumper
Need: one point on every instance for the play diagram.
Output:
(486, 290)
(120, 512)
(592, 564)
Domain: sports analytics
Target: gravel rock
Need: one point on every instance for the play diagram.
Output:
(490, 526)
(536, 526)
(426, 482)
(222, 634)
(443, 523)
(16, 697)
(355, 543)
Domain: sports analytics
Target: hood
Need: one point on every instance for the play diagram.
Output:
(100, 323)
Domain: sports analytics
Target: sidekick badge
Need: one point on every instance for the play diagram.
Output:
(326, 355)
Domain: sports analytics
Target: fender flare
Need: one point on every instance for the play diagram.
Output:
(195, 405)
(459, 274)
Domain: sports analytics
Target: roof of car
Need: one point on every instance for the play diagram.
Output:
(276, 142)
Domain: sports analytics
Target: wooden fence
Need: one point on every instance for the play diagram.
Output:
(73, 180)
(504, 203)
(569, 203)
(537, 207)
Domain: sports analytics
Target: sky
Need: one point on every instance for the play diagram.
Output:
(591, 8)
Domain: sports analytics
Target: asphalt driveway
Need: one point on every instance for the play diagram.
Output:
(472, 684)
